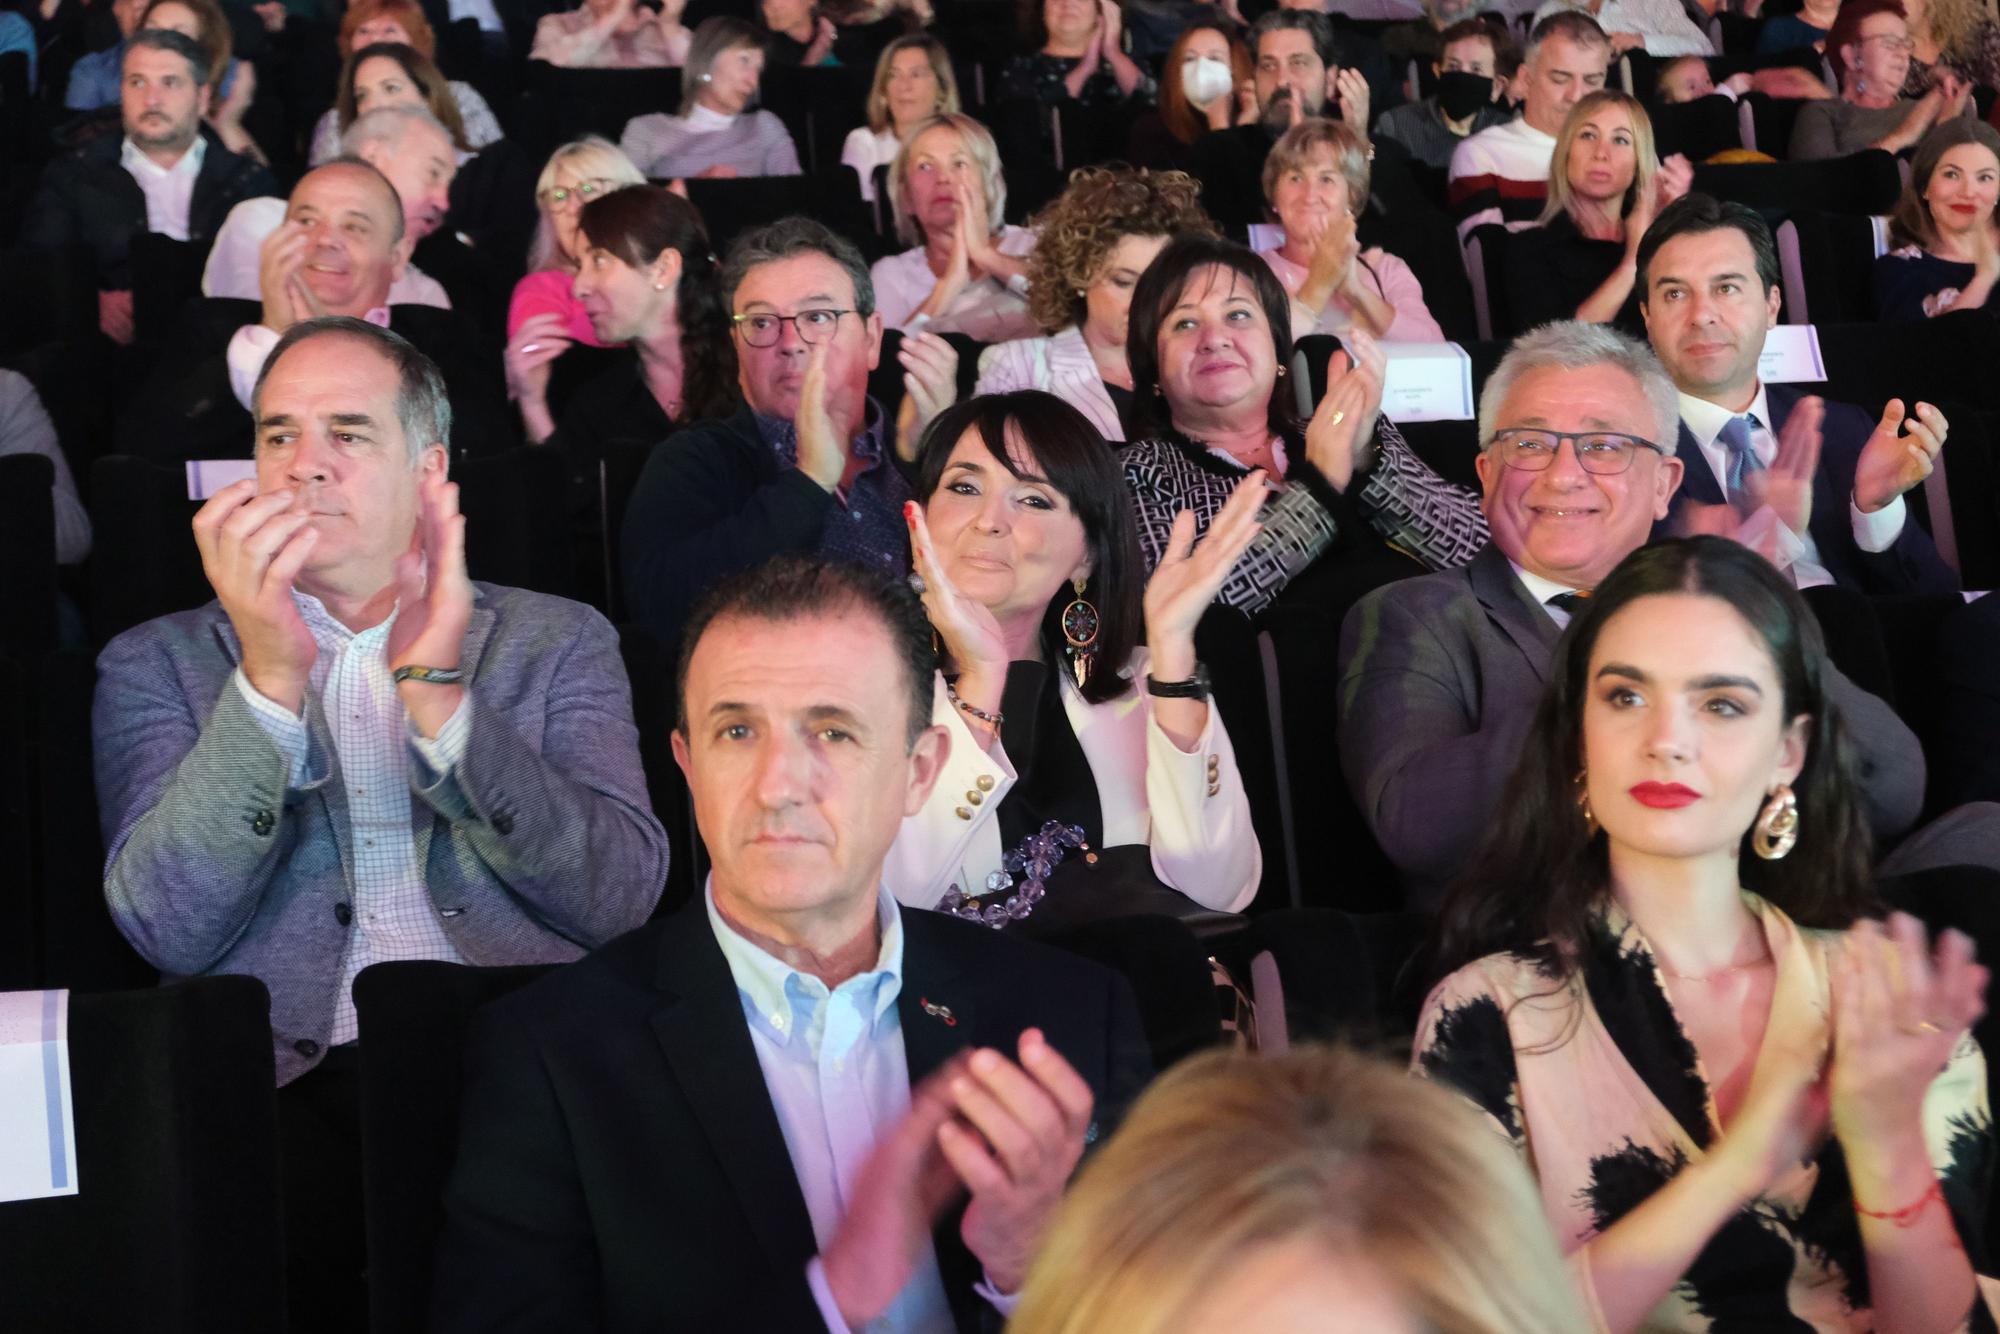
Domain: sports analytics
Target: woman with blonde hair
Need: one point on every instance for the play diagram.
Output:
(913, 82)
(1300, 1192)
(1606, 185)
(1316, 182)
(1959, 36)
(370, 21)
(1091, 244)
(966, 271)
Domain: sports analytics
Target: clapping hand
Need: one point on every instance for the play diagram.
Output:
(930, 385)
(281, 278)
(1189, 576)
(530, 354)
(1787, 485)
(1343, 425)
(822, 448)
(1899, 1010)
(1892, 462)
(1350, 88)
(252, 549)
(1675, 178)
(966, 629)
(433, 602)
(1333, 254)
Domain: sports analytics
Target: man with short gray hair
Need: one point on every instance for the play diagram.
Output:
(355, 754)
(722, 496)
(1441, 675)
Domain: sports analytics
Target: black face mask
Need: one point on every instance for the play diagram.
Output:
(1460, 94)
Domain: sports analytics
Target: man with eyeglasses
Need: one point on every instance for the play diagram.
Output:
(722, 496)
(1441, 675)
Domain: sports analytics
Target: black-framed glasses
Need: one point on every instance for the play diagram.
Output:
(763, 328)
(583, 192)
(1601, 452)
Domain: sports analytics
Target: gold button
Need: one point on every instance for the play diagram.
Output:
(963, 813)
(1214, 789)
(974, 796)
(986, 782)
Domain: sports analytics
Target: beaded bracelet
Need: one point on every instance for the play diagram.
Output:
(992, 720)
(1909, 1213)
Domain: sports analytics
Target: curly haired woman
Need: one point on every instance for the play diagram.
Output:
(1953, 35)
(1092, 243)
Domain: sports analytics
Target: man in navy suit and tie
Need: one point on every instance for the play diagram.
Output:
(1834, 479)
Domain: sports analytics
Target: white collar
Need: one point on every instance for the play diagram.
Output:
(1540, 589)
(132, 157)
(1705, 420)
(701, 120)
(761, 977)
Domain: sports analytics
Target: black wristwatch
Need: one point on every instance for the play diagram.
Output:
(1195, 687)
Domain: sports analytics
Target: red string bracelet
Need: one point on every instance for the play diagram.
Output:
(1909, 1213)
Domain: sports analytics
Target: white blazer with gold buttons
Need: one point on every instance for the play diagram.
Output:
(1187, 806)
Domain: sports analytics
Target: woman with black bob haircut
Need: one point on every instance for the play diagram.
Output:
(1085, 753)
(1667, 991)
(1208, 342)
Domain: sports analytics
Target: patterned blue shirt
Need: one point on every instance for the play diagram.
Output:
(866, 525)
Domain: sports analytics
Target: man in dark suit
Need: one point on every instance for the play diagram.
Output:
(1834, 478)
(163, 174)
(342, 245)
(1441, 675)
(766, 1111)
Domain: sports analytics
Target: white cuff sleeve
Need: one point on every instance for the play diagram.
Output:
(286, 730)
(1003, 1302)
(1878, 531)
(248, 347)
(829, 1310)
(445, 751)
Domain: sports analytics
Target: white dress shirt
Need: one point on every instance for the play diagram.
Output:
(839, 1079)
(378, 757)
(1541, 590)
(1704, 421)
(482, 11)
(237, 255)
(169, 191)
(251, 344)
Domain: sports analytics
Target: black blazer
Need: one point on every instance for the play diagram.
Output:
(1910, 565)
(88, 199)
(620, 1163)
(186, 409)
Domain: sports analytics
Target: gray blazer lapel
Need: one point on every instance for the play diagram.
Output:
(1517, 615)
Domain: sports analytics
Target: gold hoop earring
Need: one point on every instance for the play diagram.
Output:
(1080, 626)
(1583, 805)
(1777, 829)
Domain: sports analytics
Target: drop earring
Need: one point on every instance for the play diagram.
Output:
(1583, 805)
(1777, 829)
(1080, 626)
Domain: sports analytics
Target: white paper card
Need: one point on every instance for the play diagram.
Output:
(38, 1150)
(1427, 382)
(207, 476)
(1791, 356)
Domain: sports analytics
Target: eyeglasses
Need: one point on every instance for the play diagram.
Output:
(1602, 452)
(1893, 42)
(557, 196)
(763, 329)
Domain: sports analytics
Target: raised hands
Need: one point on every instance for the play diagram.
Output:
(966, 628)
(252, 549)
(1899, 1009)
(1350, 89)
(822, 443)
(1675, 178)
(1343, 426)
(433, 602)
(1332, 268)
(1189, 576)
(530, 355)
(1893, 461)
(281, 278)
(930, 385)
(822, 42)
(1787, 485)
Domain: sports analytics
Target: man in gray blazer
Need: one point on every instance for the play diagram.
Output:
(355, 754)
(1441, 675)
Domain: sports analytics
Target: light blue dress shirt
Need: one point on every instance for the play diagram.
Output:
(838, 1077)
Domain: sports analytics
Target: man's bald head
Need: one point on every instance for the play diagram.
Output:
(368, 174)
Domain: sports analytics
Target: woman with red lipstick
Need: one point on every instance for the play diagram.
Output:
(1948, 249)
(1088, 764)
(1208, 338)
(1748, 1104)
(1581, 260)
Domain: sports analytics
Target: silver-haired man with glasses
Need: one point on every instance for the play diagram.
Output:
(725, 495)
(1440, 675)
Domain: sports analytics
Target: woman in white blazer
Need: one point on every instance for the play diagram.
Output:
(1092, 243)
(1084, 749)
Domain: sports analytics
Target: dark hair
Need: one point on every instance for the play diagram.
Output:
(636, 224)
(793, 587)
(1475, 29)
(1846, 31)
(1075, 460)
(1573, 24)
(423, 406)
(175, 43)
(1159, 291)
(796, 236)
(1694, 213)
(1535, 885)
(1912, 223)
(1311, 22)
(419, 69)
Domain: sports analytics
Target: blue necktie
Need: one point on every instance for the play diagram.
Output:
(1743, 460)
